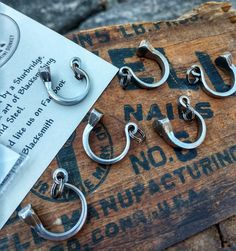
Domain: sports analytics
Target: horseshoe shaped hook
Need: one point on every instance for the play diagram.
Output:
(164, 128)
(45, 75)
(29, 216)
(131, 131)
(146, 50)
(195, 75)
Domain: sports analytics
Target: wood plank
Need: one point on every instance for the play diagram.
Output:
(156, 196)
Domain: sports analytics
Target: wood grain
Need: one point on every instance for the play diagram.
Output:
(157, 196)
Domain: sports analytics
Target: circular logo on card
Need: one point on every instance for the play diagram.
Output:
(9, 38)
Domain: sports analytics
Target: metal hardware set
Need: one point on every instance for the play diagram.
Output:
(163, 127)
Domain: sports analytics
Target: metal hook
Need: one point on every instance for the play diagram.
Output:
(28, 215)
(164, 128)
(45, 75)
(146, 50)
(195, 75)
(60, 177)
(131, 131)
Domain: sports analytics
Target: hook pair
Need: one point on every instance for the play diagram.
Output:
(194, 74)
(125, 73)
(162, 126)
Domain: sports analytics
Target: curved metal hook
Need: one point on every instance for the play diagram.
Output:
(164, 128)
(146, 50)
(224, 62)
(28, 215)
(45, 75)
(131, 131)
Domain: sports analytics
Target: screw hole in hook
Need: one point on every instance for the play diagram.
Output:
(184, 101)
(193, 75)
(187, 110)
(125, 76)
(137, 134)
(75, 66)
(60, 175)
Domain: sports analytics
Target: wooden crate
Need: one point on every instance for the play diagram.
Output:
(157, 196)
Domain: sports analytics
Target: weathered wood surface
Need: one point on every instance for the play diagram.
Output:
(156, 196)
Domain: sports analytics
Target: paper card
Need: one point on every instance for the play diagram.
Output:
(30, 122)
(7, 162)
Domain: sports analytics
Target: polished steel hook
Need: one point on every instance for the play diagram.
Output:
(146, 50)
(131, 131)
(45, 75)
(195, 75)
(28, 215)
(164, 128)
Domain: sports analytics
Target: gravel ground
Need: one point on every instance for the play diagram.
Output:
(65, 16)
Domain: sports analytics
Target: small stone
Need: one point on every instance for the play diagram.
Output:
(141, 10)
(58, 15)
